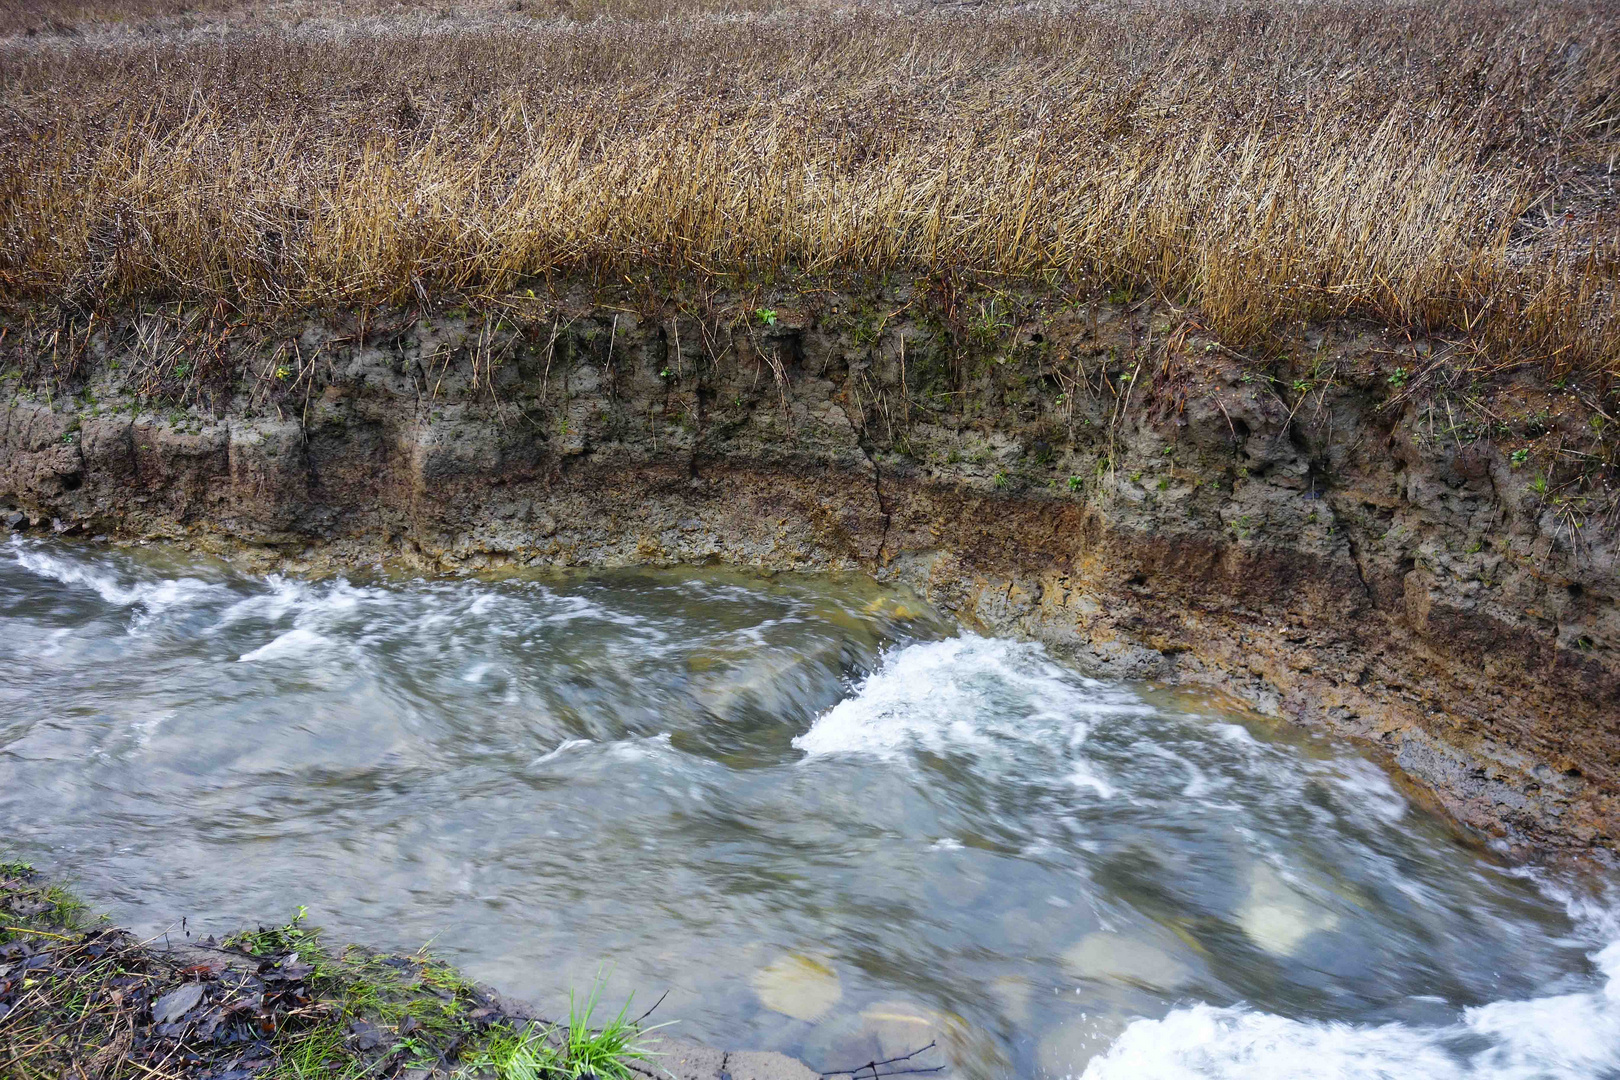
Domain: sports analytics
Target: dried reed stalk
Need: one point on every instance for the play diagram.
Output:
(1443, 163)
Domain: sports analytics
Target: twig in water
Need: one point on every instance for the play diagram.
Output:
(872, 1067)
(637, 1021)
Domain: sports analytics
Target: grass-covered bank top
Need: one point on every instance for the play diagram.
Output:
(81, 998)
(1439, 164)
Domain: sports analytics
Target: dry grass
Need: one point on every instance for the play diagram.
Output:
(1442, 164)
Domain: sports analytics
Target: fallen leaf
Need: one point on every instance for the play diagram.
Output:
(176, 1003)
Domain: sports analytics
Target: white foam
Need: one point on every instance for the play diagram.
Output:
(147, 726)
(1572, 1036)
(1085, 775)
(964, 693)
(1236, 734)
(640, 748)
(151, 595)
(1366, 786)
(302, 600)
(1198, 785)
(298, 641)
(562, 748)
(1207, 1043)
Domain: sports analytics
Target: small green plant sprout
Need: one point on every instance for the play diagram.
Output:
(606, 1051)
(987, 326)
(577, 1051)
(1074, 483)
(1001, 479)
(1539, 484)
(1302, 386)
(1518, 457)
(517, 1055)
(767, 316)
(1398, 377)
(267, 941)
(283, 372)
(664, 374)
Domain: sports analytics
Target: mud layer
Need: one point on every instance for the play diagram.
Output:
(1362, 537)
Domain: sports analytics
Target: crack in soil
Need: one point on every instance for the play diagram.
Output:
(864, 443)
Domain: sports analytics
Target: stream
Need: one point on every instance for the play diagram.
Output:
(825, 820)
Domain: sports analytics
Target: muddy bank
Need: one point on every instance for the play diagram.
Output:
(1365, 533)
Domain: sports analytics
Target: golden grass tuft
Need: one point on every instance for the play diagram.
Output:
(1443, 164)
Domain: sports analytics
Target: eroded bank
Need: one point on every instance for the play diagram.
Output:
(1366, 532)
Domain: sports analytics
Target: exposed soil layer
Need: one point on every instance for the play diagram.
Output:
(1366, 534)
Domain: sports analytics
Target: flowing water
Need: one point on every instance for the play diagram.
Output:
(824, 820)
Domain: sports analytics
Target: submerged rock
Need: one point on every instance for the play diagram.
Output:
(803, 987)
(907, 1035)
(1104, 955)
(1276, 917)
(1013, 993)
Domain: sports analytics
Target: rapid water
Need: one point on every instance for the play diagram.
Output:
(826, 822)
